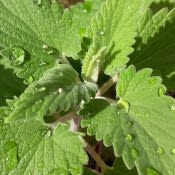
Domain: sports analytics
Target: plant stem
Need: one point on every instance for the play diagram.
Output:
(96, 157)
(107, 85)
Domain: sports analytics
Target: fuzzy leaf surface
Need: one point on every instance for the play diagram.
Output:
(140, 126)
(157, 48)
(29, 147)
(42, 30)
(112, 34)
(58, 90)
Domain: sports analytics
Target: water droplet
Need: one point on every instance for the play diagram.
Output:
(151, 171)
(18, 56)
(29, 80)
(1, 120)
(42, 63)
(160, 151)
(122, 104)
(82, 103)
(42, 89)
(129, 138)
(172, 107)
(98, 61)
(172, 151)
(45, 46)
(60, 90)
(38, 101)
(40, 164)
(37, 2)
(11, 149)
(46, 132)
(162, 91)
(87, 7)
(85, 11)
(134, 153)
(102, 33)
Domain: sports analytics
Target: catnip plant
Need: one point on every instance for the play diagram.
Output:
(101, 72)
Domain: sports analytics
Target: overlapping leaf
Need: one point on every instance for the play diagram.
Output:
(58, 90)
(140, 127)
(29, 147)
(112, 34)
(157, 48)
(41, 30)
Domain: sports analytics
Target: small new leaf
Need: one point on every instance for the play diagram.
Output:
(113, 28)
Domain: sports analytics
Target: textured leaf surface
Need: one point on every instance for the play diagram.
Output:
(41, 29)
(83, 13)
(29, 147)
(58, 90)
(140, 127)
(10, 85)
(157, 48)
(112, 34)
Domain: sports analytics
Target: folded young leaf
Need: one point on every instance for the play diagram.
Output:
(157, 48)
(29, 147)
(59, 89)
(32, 34)
(112, 34)
(140, 127)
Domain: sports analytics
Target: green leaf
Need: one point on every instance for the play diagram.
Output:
(10, 85)
(41, 30)
(83, 12)
(29, 147)
(140, 125)
(156, 47)
(58, 90)
(112, 34)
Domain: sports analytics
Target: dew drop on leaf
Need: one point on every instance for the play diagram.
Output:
(29, 80)
(129, 138)
(134, 153)
(42, 89)
(41, 63)
(102, 33)
(12, 159)
(1, 120)
(172, 107)
(160, 151)
(151, 171)
(18, 55)
(46, 132)
(40, 164)
(45, 46)
(37, 2)
(172, 151)
(60, 90)
(38, 101)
